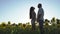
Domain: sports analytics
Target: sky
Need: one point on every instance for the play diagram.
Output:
(17, 11)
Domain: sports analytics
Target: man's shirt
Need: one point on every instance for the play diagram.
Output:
(40, 15)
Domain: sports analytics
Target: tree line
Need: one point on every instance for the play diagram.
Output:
(50, 27)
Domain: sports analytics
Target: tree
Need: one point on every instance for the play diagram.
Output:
(58, 21)
(19, 24)
(9, 22)
(53, 21)
(46, 22)
(27, 23)
(3, 24)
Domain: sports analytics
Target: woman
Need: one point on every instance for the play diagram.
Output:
(32, 17)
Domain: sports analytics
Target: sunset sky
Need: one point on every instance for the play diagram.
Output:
(17, 11)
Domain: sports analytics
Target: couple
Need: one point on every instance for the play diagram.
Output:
(40, 17)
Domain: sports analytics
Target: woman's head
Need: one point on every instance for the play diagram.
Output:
(39, 5)
(32, 9)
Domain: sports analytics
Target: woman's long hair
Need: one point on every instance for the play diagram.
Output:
(31, 10)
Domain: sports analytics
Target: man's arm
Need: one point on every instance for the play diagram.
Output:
(38, 16)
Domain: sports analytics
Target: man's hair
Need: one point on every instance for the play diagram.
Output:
(39, 5)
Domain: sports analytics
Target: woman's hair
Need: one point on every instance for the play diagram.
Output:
(31, 9)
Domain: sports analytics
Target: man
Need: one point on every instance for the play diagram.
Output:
(40, 17)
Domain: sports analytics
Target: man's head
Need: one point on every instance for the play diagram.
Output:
(39, 5)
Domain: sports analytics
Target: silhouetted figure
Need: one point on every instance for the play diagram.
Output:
(32, 17)
(40, 17)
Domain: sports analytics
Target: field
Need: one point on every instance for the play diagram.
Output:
(26, 28)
